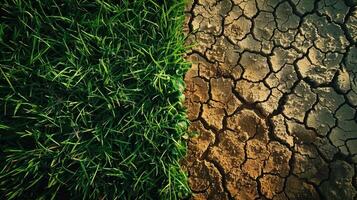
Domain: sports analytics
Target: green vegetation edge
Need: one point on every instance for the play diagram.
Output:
(91, 99)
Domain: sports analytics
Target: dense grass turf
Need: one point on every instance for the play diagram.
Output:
(90, 99)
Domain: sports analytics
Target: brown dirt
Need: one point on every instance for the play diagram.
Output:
(272, 93)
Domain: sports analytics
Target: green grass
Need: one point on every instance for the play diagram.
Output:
(91, 99)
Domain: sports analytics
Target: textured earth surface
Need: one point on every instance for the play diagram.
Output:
(272, 94)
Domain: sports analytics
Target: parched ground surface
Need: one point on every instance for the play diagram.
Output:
(273, 95)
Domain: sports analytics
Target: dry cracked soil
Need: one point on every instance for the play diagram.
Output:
(272, 94)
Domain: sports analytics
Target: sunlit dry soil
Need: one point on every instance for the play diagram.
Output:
(272, 93)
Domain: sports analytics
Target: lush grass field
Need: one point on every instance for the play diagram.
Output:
(90, 99)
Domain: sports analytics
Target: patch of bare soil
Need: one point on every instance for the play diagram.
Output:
(272, 93)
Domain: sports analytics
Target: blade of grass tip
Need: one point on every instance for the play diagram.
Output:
(34, 45)
(4, 127)
(7, 80)
(82, 41)
(18, 104)
(94, 175)
(138, 180)
(84, 170)
(44, 50)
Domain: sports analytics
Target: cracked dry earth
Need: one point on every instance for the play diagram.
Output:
(272, 94)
